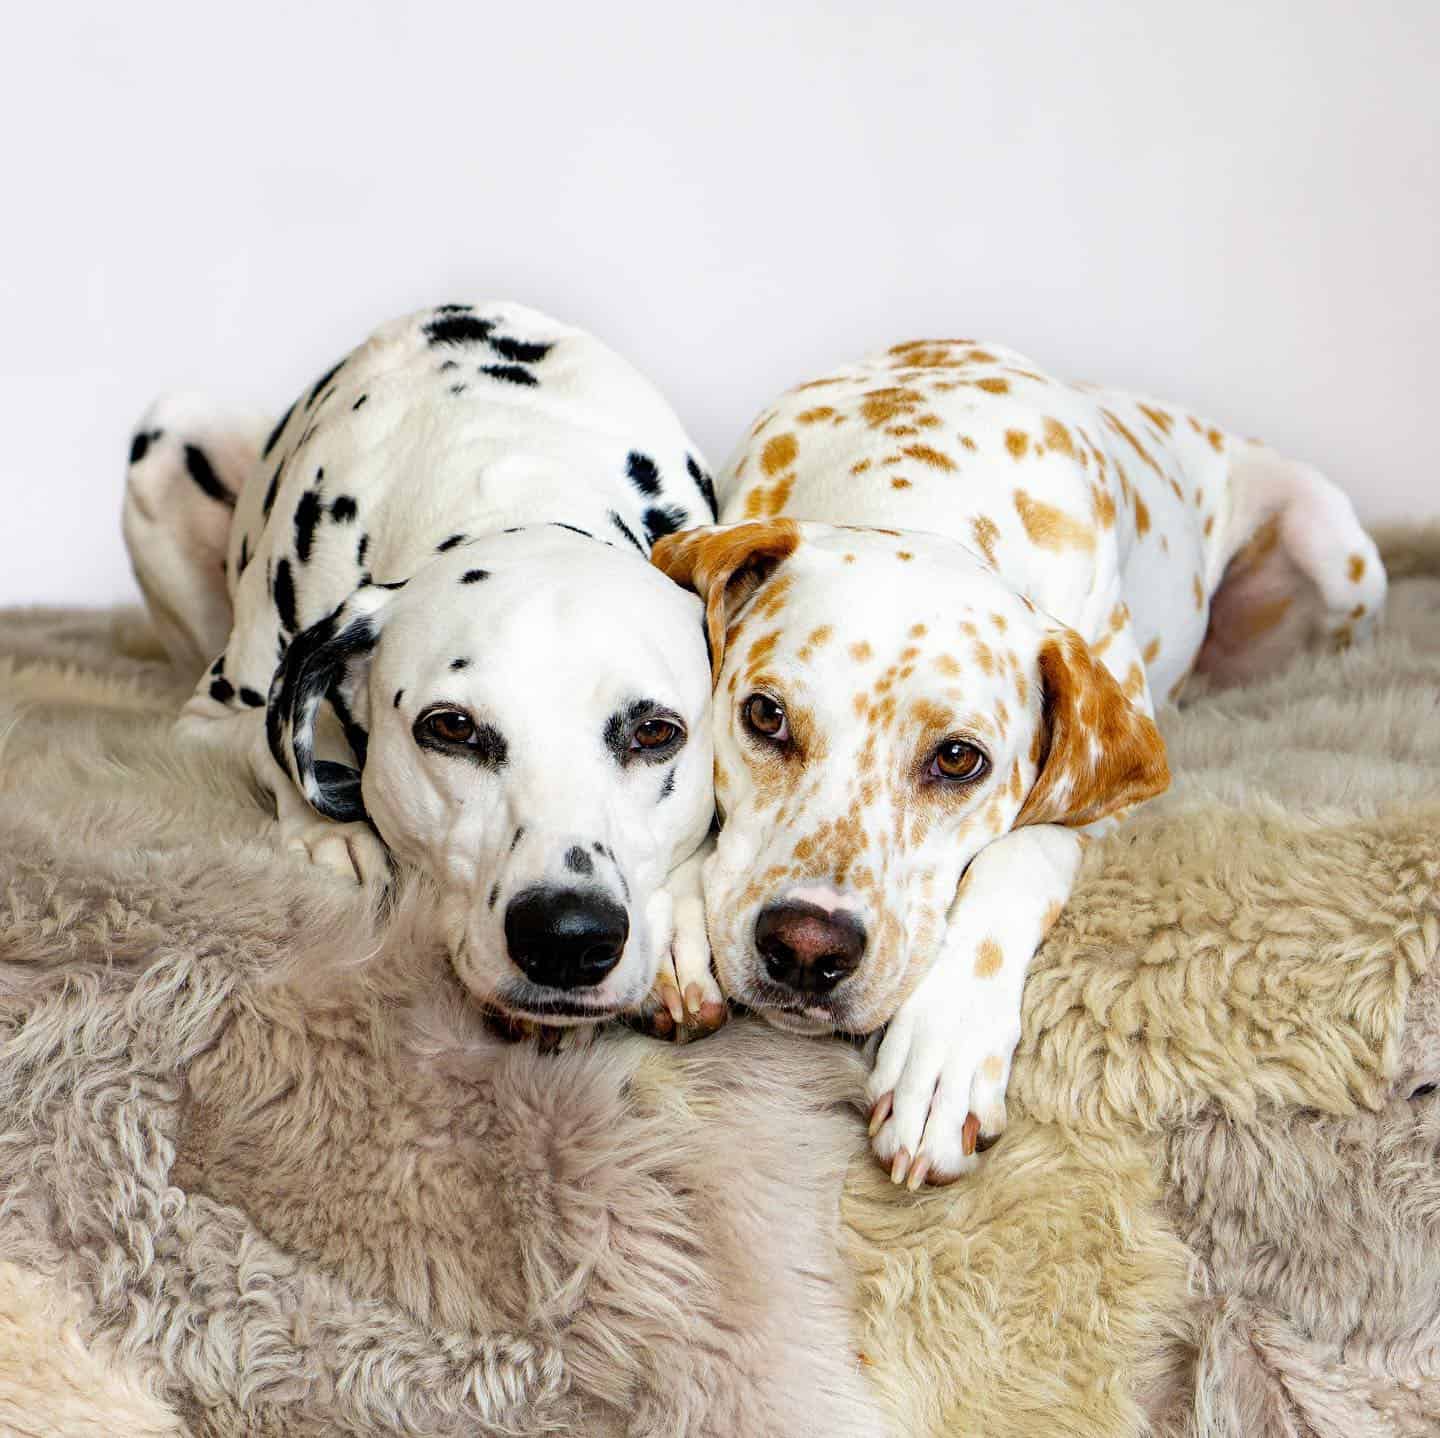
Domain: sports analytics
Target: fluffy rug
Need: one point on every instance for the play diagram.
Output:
(263, 1171)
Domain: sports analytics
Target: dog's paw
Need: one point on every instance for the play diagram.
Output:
(354, 851)
(937, 1091)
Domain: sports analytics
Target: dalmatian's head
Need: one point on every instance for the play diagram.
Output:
(885, 706)
(529, 719)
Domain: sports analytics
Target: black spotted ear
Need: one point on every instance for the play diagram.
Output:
(328, 661)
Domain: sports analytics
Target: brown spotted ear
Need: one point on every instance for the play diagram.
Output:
(1097, 752)
(725, 565)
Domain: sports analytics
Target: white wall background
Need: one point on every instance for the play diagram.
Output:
(1236, 205)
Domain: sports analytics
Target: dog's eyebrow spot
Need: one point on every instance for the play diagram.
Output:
(399, 695)
(459, 664)
(449, 543)
(474, 576)
(515, 842)
(578, 861)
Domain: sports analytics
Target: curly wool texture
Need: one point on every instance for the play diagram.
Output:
(258, 1154)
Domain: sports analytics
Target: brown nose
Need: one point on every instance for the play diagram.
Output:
(807, 949)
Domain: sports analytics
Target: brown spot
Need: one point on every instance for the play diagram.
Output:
(1358, 612)
(947, 665)
(1262, 618)
(1179, 493)
(904, 554)
(1356, 568)
(1142, 517)
(983, 657)
(1152, 651)
(767, 501)
(1217, 440)
(1052, 528)
(917, 631)
(1022, 689)
(993, 386)
(899, 484)
(861, 652)
(1102, 506)
(998, 620)
(1017, 442)
(1209, 526)
(1157, 417)
(1134, 685)
(1130, 439)
(779, 454)
(814, 416)
(993, 1068)
(924, 454)
(847, 558)
(1057, 437)
(989, 959)
(986, 532)
(880, 406)
(1199, 592)
(967, 443)
(860, 466)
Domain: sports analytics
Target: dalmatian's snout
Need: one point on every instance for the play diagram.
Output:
(565, 938)
(807, 948)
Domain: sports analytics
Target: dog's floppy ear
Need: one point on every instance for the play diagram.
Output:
(329, 660)
(725, 565)
(1097, 752)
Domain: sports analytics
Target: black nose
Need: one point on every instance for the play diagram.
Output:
(807, 949)
(565, 938)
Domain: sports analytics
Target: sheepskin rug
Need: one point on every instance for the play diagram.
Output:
(263, 1171)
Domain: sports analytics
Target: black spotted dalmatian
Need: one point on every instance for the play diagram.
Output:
(429, 624)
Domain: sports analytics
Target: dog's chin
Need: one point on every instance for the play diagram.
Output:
(797, 1021)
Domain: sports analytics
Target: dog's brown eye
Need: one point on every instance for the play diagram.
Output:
(654, 734)
(766, 718)
(451, 726)
(955, 759)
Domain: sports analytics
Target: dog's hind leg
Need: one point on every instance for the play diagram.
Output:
(1301, 569)
(188, 462)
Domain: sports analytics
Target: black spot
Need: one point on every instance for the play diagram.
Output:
(449, 543)
(343, 509)
(704, 484)
(307, 516)
(514, 529)
(643, 474)
(515, 842)
(494, 894)
(510, 373)
(573, 528)
(222, 690)
(668, 787)
(1425, 1088)
(459, 664)
(399, 695)
(458, 388)
(578, 861)
(600, 849)
(244, 561)
(457, 327)
(663, 519)
(322, 382)
(198, 465)
(285, 596)
(448, 365)
(521, 351)
(270, 493)
(250, 697)
(628, 533)
(218, 667)
(474, 576)
(361, 548)
(141, 443)
(359, 402)
(276, 433)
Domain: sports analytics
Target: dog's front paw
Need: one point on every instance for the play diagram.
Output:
(937, 1090)
(686, 997)
(353, 851)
